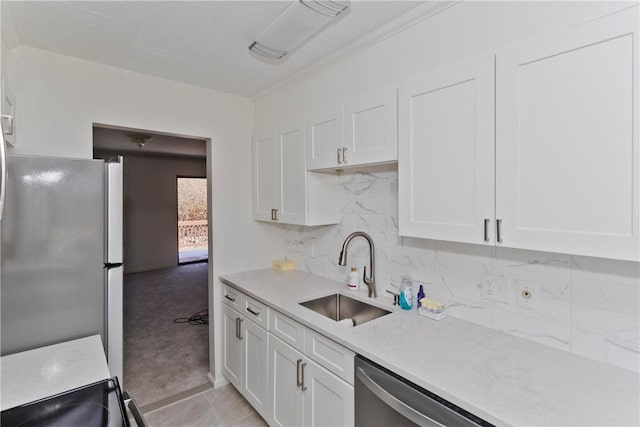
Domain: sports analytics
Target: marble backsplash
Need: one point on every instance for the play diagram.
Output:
(588, 306)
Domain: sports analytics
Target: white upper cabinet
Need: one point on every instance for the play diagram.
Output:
(370, 129)
(283, 190)
(446, 155)
(567, 141)
(290, 173)
(363, 131)
(324, 137)
(264, 174)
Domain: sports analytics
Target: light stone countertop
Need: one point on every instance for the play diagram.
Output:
(46, 371)
(502, 378)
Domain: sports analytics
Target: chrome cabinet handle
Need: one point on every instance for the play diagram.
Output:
(276, 214)
(240, 319)
(298, 375)
(499, 230)
(9, 120)
(486, 229)
(237, 327)
(3, 172)
(302, 386)
(255, 313)
(339, 155)
(273, 214)
(344, 155)
(229, 298)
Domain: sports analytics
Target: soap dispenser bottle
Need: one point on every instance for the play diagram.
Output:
(353, 280)
(406, 292)
(420, 296)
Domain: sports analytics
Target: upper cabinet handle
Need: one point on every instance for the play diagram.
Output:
(339, 155)
(3, 172)
(9, 129)
(499, 230)
(344, 155)
(486, 229)
(275, 214)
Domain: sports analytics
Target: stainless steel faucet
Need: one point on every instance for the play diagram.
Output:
(371, 280)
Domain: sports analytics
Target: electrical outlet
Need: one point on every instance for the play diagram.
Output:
(527, 294)
(494, 289)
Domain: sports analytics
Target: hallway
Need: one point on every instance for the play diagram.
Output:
(163, 358)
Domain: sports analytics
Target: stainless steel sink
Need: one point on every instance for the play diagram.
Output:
(339, 307)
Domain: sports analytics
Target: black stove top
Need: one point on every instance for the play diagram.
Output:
(95, 405)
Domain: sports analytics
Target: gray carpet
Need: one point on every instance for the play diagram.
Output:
(163, 358)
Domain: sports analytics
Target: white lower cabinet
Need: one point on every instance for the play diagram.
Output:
(245, 358)
(328, 400)
(291, 375)
(303, 393)
(232, 348)
(255, 366)
(285, 395)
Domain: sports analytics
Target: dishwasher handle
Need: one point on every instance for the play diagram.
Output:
(396, 404)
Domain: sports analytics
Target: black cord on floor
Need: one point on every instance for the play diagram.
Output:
(199, 318)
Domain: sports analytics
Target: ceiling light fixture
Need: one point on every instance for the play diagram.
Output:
(300, 21)
(140, 139)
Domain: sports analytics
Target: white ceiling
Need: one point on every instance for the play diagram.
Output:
(203, 43)
(118, 141)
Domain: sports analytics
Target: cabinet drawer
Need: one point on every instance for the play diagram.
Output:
(288, 330)
(232, 297)
(256, 311)
(330, 354)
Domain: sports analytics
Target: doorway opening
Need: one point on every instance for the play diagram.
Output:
(165, 351)
(193, 229)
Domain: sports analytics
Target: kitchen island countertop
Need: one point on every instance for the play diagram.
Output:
(504, 379)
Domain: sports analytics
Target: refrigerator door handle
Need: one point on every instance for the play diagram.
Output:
(3, 172)
(113, 211)
(113, 321)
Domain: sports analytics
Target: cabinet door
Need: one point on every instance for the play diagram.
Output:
(328, 400)
(285, 396)
(264, 176)
(567, 141)
(255, 367)
(370, 128)
(446, 154)
(324, 138)
(232, 347)
(291, 173)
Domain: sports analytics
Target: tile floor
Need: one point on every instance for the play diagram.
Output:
(222, 407)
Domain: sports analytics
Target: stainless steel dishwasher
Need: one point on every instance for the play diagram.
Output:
(386, 399)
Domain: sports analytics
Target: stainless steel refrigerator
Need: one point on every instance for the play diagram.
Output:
(61, 256)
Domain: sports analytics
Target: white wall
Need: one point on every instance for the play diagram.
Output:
(587, 306)
(150, 212)
(58, 99)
